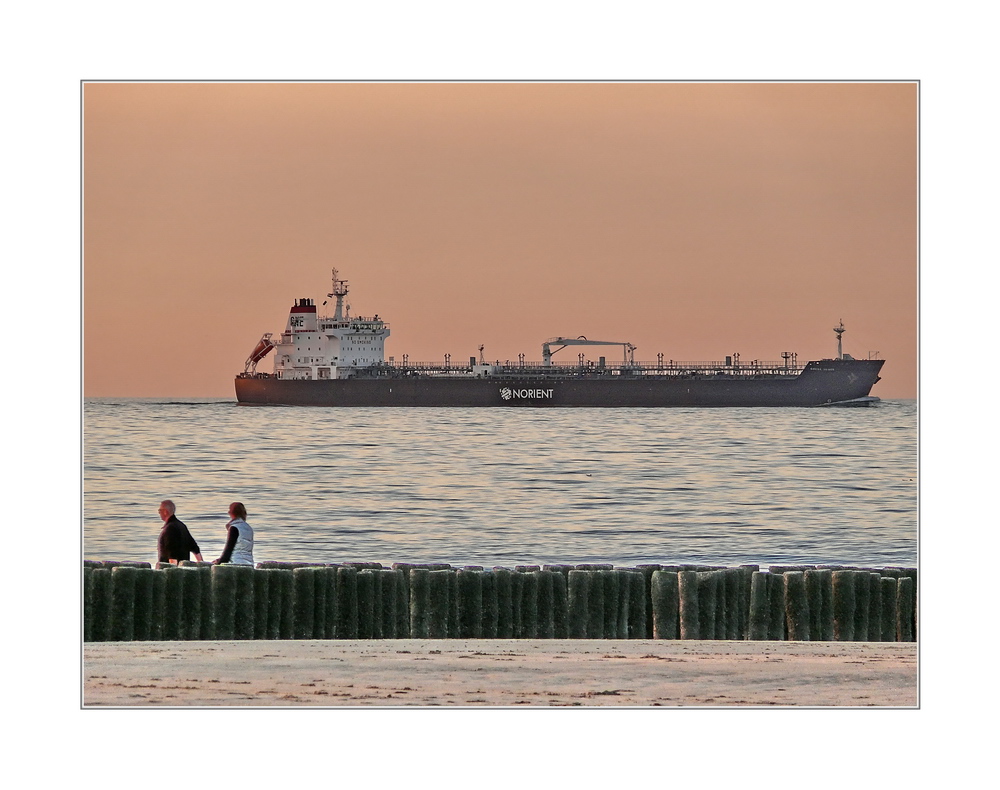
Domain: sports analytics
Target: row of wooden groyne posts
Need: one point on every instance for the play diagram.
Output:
(128, 601)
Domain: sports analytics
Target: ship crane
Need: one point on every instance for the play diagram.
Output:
(547, 352)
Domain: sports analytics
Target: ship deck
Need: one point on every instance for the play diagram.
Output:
(536, 370)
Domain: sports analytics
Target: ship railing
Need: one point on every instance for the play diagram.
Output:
(368, 322)
(751, 368)
(665, 368)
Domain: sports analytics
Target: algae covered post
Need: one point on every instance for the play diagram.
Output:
(436, 601)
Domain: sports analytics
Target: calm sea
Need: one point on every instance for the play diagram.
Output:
(508, 486)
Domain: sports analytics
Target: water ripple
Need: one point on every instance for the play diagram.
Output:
(468, 486)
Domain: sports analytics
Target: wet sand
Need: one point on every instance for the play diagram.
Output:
(499, 673)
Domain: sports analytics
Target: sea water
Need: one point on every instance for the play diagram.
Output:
(507, 486)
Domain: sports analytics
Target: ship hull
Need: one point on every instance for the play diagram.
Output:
(821, 383)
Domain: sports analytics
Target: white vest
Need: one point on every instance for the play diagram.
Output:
(243, 550)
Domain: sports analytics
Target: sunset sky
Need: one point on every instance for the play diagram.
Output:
(691, 219)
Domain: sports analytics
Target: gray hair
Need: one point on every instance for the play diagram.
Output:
(169, 505)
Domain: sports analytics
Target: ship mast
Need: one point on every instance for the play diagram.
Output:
(840, 339)
(339, 291)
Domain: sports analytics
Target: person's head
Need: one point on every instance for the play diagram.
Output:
(236, 510)
(166, 509)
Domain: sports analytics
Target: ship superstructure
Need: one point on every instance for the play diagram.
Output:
(322, 348)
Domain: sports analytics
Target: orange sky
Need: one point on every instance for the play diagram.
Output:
(696, 220)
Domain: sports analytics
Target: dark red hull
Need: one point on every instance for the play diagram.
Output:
(818, 384)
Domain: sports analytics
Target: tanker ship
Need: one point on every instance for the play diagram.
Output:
(340, 361)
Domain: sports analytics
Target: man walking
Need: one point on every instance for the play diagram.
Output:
(175, 542)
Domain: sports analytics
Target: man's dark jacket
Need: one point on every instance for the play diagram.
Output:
(175, 541)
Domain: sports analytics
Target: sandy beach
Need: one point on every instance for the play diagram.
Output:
(499, 673)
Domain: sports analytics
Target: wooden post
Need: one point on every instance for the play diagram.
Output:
(814, 599)
(746, 583)
(347, 602)
(665, 604)
(874, 607)
(385, 583)
(529, 604)
(612, 603)
(843, 606)
(887, 613)
(420, 603)
(759, 623)
(470, 604)
(707, 595)
(88, 601)
(304, 582)
(595, 601)
(261, 599)
(173, 613)
(143, 607)
(223, 600)
(488, 587)
(904, 609)
(287, 619)
(244, 620)
(911, 573)
(560, 605)
(159, 605)
(402, 588)
(381, 607)
(862, 605)
(545, 585)
(637, 608)
(517, 603)
(122, 628)
(796, 606)
(440, 603)
(401, 607)
(690, 617)
(776, 600)
(505, 603)
(578, 603)
(731, 584)
(366, 603)
(206, 626)
(272, 613)
(319, 603)
(825, 578)
(329, 577)
(647, 572)
(453, 603)
(191, 614)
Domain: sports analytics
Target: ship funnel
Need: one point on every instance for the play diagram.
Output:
(302, 316)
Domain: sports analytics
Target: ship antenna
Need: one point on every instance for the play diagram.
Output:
(840, 339)
(339, 291)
